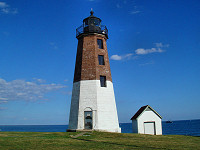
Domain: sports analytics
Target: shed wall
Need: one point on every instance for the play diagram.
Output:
(149, 116)
(134, 126)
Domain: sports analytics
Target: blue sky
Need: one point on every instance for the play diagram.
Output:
(154, 50)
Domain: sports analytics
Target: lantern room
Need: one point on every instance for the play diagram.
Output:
(92, 25)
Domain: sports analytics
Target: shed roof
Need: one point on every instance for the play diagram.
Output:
(142, 109)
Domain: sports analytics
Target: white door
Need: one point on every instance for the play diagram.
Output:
(149, 128)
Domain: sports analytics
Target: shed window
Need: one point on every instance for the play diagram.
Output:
(100, 43)
(103, 81)
(101, 60)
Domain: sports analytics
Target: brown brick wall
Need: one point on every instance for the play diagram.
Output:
(87, 63)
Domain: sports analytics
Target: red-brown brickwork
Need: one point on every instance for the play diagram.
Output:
(87, 63)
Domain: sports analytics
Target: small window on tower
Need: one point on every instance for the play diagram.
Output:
(101, 60)
(103, 81)
(100, 43)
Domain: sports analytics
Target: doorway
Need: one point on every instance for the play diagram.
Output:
(149, 128)
(88, 119)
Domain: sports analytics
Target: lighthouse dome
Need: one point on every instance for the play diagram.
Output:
(92, 20)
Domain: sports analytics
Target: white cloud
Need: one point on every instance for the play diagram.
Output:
(142, 51)
(6, 33)
(118, 6)
(127, 56)
(116, 57)
(3, 5)
(25, 118)
(23, 90)
(135, 12)
(3, 108)
(39, 80)
(69, 93)
(161, 45)
(157, 49)
(53, 45)
(1, 102)
(148, 63)
(135, 9)
(6, 9)
(122, 57)
(3, 99)
(66, 80)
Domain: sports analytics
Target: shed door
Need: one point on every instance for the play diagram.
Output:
(149, 128)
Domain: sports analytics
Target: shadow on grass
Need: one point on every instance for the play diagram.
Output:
(117, 144)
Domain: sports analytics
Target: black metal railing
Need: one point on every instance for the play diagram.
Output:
(103, 30)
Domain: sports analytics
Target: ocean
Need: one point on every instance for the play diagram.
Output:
(183, 127)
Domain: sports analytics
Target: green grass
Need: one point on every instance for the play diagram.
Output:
(93, 140)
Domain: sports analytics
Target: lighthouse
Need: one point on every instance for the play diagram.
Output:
(93, 104)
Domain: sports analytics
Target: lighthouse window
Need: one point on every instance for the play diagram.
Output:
(96, 22)
(103, 81)
(100, 43)
(86, 23)
(101, 60)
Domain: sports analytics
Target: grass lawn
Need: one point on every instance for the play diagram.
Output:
(93, 140)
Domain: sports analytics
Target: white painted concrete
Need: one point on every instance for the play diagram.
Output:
(87, 95)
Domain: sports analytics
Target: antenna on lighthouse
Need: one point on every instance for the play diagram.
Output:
(91, 12)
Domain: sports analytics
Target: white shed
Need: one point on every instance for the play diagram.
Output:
(147, 121)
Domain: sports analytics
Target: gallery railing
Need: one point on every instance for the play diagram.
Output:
(96, 29)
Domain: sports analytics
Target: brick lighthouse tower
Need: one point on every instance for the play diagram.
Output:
(93, 101)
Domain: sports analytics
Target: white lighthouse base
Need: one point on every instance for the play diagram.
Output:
(89, 96)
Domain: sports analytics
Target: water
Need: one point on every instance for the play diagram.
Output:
(34, 128)
(183, 127)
